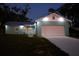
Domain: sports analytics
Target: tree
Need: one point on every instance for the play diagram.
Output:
(51, 10)
(11, 14)
(4, 12)
(71, 11)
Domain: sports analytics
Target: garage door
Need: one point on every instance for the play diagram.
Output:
(51, 31)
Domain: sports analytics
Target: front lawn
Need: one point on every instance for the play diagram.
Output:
(21, 45)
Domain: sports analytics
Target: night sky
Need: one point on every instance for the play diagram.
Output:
(38, 9)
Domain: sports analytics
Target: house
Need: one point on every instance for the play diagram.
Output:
(20, 28)
(52, 25)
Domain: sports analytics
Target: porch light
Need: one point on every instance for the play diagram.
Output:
(45, 19)
(21, 26)
(61, 19)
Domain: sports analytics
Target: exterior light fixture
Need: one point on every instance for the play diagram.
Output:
(38, 23)
(61, 19)
(34, 24)
(45, 19)
(21, 26)
(6, 26)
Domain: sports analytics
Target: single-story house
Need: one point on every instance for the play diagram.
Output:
(20, 28)
(52, 25)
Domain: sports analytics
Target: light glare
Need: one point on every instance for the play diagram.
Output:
(38, 23)
(34, 24)
(21, 26)
(6, 26)
(61, 19)
(45, 19)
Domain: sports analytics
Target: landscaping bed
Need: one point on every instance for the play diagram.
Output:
(22, 45)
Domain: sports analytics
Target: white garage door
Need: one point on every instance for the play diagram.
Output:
(51, 31)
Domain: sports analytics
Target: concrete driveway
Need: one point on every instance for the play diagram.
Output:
(67, 44)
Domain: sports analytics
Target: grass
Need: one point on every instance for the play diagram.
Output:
(21, 45)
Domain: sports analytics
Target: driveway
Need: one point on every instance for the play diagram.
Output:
(67, 44)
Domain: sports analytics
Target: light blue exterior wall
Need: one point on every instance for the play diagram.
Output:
(53, 23)
(13, 30)
(17, 30)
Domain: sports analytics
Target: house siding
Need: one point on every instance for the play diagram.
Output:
(52, 22)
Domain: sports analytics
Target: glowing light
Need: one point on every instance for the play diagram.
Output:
(34, 24)
(21, 26)
(38, 22)
(6, 26)
(61, 19)
(45, 19)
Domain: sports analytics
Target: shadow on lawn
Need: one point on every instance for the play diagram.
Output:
(21, 45)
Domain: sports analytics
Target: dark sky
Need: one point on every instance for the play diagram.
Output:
(38, 9)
